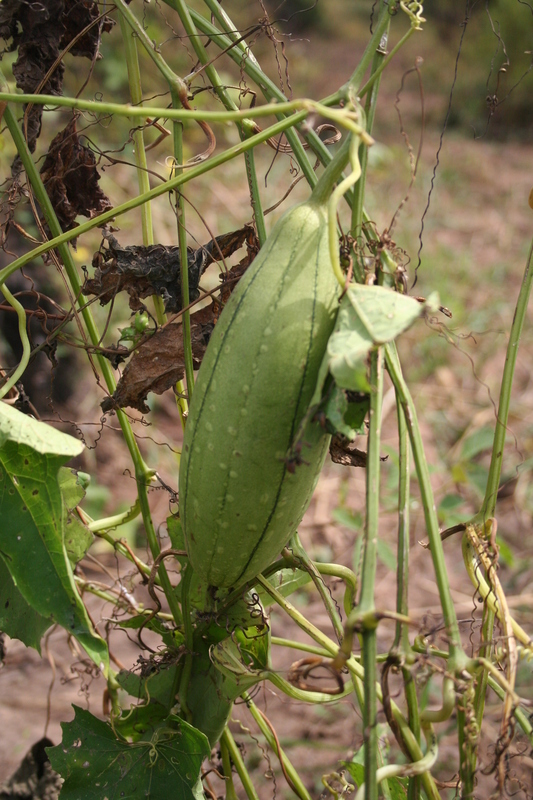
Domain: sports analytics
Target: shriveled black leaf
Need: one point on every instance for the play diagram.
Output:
(156, 269)
(77, 16)
(40, 31)
(33, 29)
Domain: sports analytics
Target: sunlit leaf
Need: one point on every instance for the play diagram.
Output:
(17, 618)
(368, 316)
(31, 536)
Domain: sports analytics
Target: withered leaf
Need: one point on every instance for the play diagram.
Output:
(77, 16)
(346, 453)
(156, 269)
(40, 31)
(71, 179)
(158, 364)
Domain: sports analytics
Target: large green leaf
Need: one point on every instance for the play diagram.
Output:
(368, 316)
(96, 764)
(17, 618)
(32, 532)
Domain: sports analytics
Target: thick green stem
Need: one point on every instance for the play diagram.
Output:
(401, 640)
(370, 112)
(266, 730)
(227, 741)
(493, 481)
(402, 573)
(189, 643)
(366, 599)
(134, 80)
(457, 656)
(231, 794)
(373, 466)
(358, 675)
(296, 546)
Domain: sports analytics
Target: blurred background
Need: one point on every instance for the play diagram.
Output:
(461, 91)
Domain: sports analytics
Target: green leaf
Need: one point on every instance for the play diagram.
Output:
(138, 721)
(78, 538)
(17, 618)
(31, 536)
(343, 416)
(386, 555)
(210, 694)
(171, 636)
(240, 666)
(286, 581)
(356, 412)
(352, 520)
(156, 682)
(368, 316)
(96, 764)
(478, 442)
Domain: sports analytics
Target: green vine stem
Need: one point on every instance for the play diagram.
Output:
(288, 769)
(358, 676)
(401, 649)
(488, 507)
(498, 447)
(241, 56)
(406, 770)
(231, 794)
(366, 598)
(108, 523)
(227, 741)
(340, 191)
(134, 80)
(135, 87)
(23, 333)
(189, 643)
(244, 129)
(308, 565)
(170, 185)
(178, 92)
(521, 717)
(458, 658)
(401, 641)
(370, 112)
(279, 641)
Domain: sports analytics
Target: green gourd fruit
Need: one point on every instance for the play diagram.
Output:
(241, 498)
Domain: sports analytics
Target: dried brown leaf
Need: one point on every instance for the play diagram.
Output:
(71, 179)
(158, 364)
(346, 453)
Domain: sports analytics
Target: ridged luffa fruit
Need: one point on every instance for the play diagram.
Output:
(242, 495)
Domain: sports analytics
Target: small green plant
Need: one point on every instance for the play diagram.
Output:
(298, 354)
